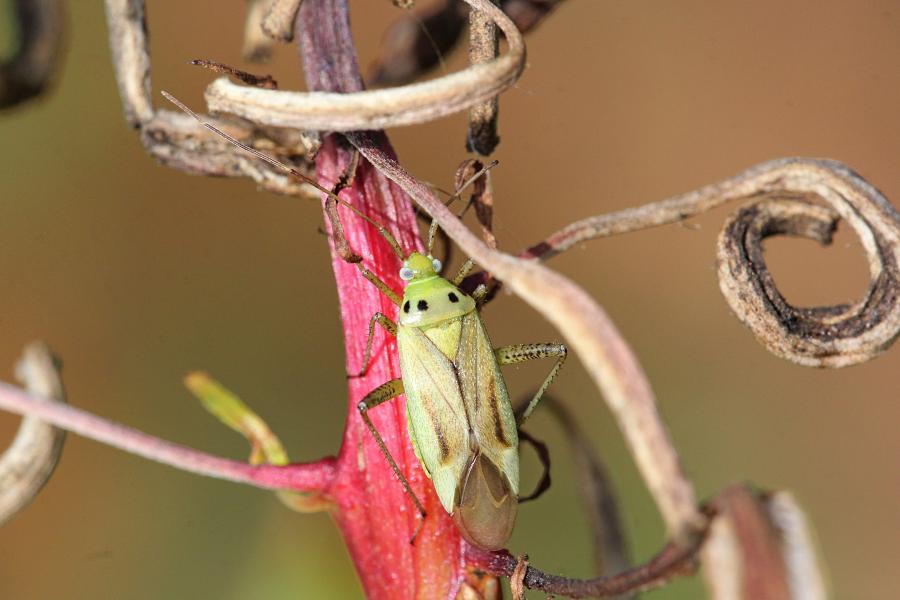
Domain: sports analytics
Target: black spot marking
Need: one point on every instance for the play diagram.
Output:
(406, 306)
(422, 305)
(453, 297)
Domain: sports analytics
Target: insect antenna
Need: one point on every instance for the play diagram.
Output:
(432, 229)
(391, 240)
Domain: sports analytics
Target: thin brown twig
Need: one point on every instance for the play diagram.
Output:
(757, 546)
(31, 458)
(266, 82)
(671, 562)
(180, 142)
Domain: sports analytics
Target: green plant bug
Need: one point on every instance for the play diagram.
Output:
(460, 419)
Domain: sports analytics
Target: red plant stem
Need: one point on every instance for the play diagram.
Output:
(297, 477)
(376, 518)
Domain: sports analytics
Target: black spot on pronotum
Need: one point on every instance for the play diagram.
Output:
(422, 305)
(406, 306)
(453, 297)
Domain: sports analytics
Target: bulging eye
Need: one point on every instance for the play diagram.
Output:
(406, 274)
(436, 265)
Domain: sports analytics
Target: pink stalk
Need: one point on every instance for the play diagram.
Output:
(308, 477)
(376, 517)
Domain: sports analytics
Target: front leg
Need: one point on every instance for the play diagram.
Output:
(388, 326)
(508, 355)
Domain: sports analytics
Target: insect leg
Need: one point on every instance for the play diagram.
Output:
(345, 252)
(464, 270)
(380, 395)
(342, 247)
(388, 326)
(508, 355)
(381, 285)
(479, 294)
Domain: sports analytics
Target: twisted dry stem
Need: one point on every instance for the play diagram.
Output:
(29, 461)
(828, 336)
(674, 560)
(782, 189)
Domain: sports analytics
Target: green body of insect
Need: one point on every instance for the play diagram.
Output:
(460, 419)
(461, 422)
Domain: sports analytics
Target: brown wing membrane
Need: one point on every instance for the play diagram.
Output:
(487, 506)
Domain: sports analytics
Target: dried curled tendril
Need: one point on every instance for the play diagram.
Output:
(825, 336)
(782, 192)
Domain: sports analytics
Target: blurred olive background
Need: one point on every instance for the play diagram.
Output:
(136, 274)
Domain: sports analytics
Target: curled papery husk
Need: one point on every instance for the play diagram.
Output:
(487, 505)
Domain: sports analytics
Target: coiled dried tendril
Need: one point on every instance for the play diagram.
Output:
(782, 192)
(824, 336)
